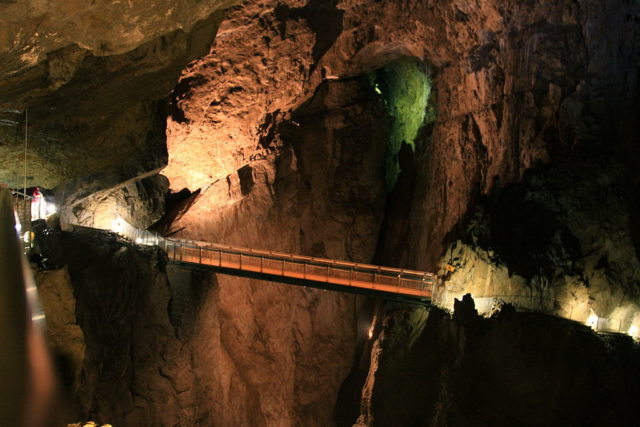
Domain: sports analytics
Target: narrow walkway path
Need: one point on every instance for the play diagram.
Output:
(301, 270)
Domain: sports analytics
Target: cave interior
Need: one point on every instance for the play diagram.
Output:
(490, 146)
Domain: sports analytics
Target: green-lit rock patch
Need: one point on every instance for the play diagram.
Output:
(405, 86)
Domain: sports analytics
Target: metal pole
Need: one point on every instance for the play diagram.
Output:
(26, 124)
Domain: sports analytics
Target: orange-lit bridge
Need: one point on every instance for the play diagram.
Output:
(393, 283)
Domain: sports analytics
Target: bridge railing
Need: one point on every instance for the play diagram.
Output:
(300, 267)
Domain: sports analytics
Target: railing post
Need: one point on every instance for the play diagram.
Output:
(328, 272)
(283, 261)
(261, 262)
(200, 255)
(240, 261)
(219, 258)
(304, 271)
(351, 277)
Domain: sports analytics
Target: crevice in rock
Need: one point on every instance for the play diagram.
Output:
(176, 205)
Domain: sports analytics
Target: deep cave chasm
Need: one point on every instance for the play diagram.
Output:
(493, 143)
(405, 85)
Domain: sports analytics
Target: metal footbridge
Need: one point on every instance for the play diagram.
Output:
(392, 283)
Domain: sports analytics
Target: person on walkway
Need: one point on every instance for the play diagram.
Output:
(38, 205)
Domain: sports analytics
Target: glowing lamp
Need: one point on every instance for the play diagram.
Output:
(117, 225)
(18, 226)
(50, 208)
(592, 321)
(633, 331)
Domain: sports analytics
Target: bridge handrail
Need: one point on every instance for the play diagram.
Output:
(403, 273)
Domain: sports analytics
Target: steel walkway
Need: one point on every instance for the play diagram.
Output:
(314, 272)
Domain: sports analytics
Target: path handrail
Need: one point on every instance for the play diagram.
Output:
(294, 257)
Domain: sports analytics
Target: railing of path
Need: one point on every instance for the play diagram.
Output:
(317, 270)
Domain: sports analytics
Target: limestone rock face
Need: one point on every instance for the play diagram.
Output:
(32, 30)
(139, 203)
(515, 84)
(135, 369)
(64, 335)
(165, 345)
(317, 190)
(276, 131)
(91, 78)
(511, 369)
(560, 242)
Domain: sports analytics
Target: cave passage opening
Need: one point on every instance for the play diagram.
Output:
(405, 86)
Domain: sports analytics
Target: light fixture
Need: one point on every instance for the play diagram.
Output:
(592, 321)
(50, 208)
(117, 225)
(18, 225)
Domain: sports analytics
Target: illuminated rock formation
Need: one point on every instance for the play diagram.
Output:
(279, 122)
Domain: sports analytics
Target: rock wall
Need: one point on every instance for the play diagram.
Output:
(430, 369)
(139, 203)
(318, 190)
(135, 371)
(90, 101)
(260, 353)
(559, 242)
(282, 142)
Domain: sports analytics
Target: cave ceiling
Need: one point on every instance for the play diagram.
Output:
(117, 90)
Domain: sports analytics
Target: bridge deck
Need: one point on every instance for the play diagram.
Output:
(311, 271)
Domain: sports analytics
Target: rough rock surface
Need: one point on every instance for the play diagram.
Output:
(560, 242)
(318, 190)
(429, 369)
(139, 203)
(515, 84)
(134, 370)
(279, 155)
(64, 335)
(163, 346)
(93, 98)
